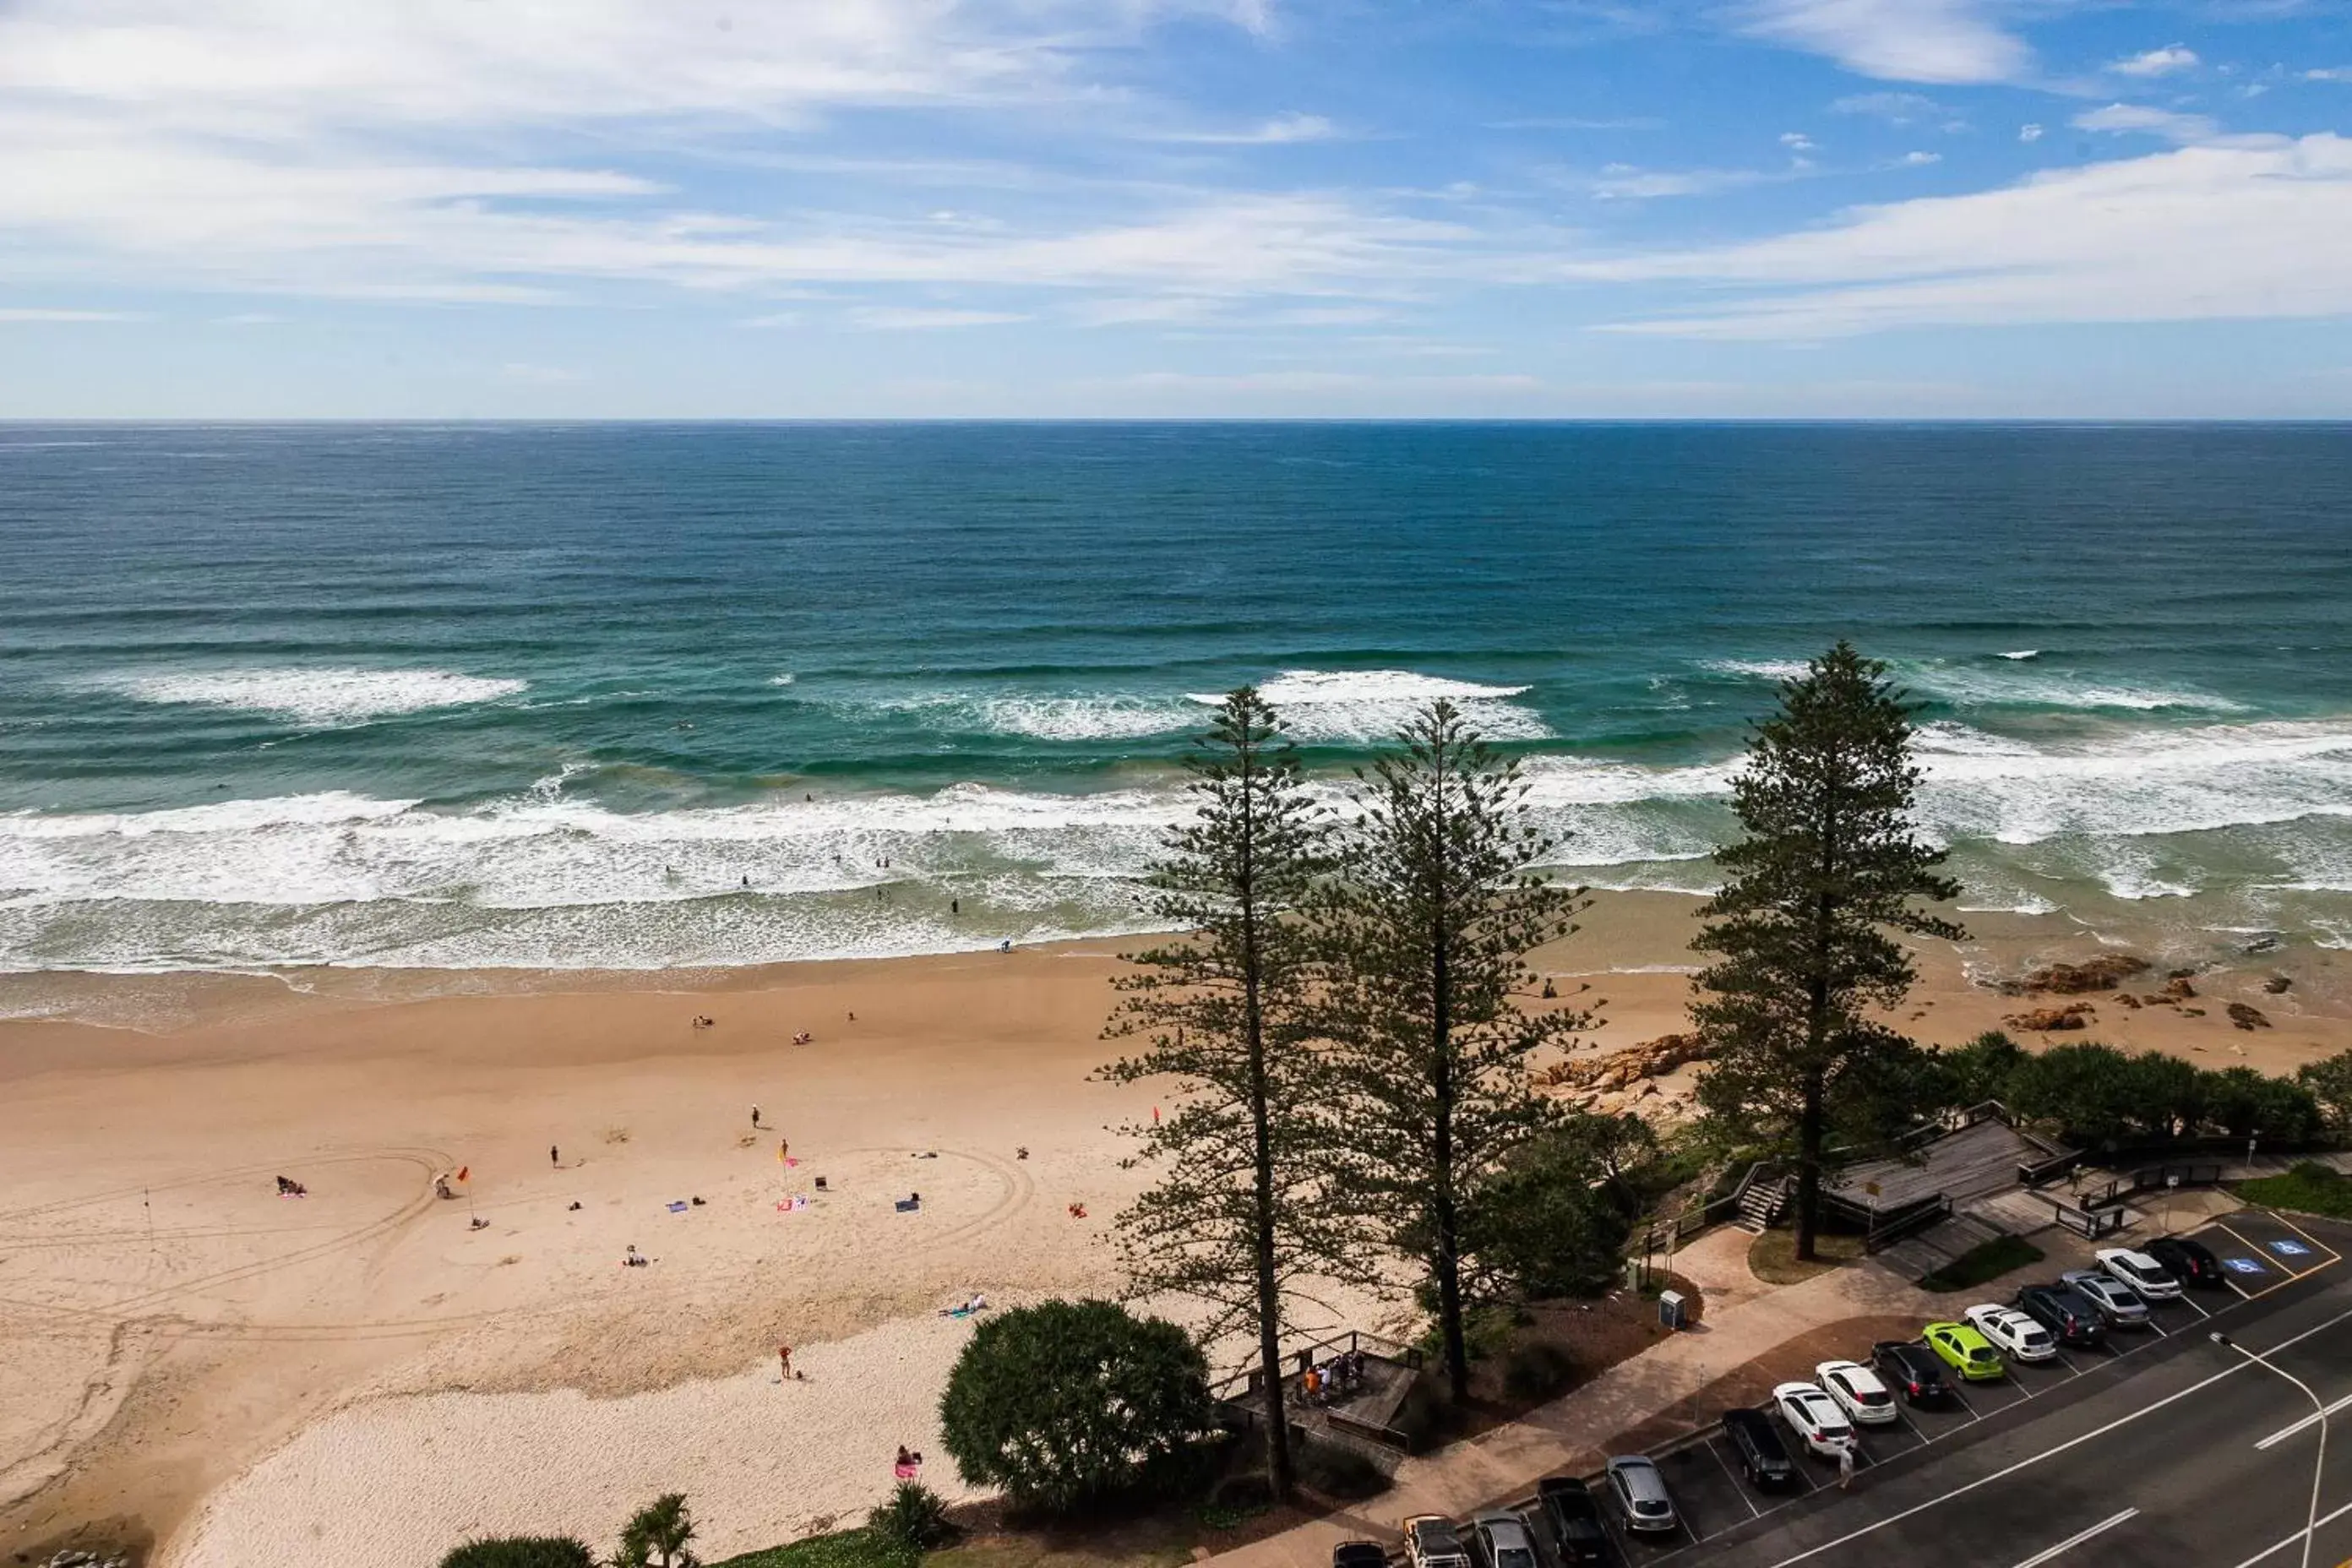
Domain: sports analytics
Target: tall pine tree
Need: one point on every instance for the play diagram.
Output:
(1426, 928)
(1806, 965)
(1238, 1213)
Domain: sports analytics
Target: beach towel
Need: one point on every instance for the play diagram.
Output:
(906, 1472)
(678, 1207)
(908, 1205)
(793, 1204)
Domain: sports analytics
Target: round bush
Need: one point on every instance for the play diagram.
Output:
(522, 1551)
(1069, 1403)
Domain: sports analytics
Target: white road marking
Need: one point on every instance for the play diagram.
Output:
(2283, 1433)
(2039, 1558)
(1753, 1511)
(2032, 1459)
(2298, 1535)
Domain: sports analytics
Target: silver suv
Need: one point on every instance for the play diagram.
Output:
(2119, 1304)
(1641, 1494)
(1502, 1539)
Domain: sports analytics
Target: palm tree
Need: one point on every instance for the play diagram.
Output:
(657, 1536)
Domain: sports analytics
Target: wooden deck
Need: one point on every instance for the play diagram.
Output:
(1961, 1165)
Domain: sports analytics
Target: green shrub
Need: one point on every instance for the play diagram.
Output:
(522, 1551)
(916, 1518)
(1339, 1472)
(845, 1548)
(1986, 1261)
(1537, 1370)
(1068, 1404)
(2310, 1188)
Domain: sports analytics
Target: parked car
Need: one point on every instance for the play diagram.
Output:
(2141, 1272)
(1857, 1391)
(2190, 1262)
(1963, 1350)
(2065, 1312)
(1757, 1443)
(1360, 1554)
(1912, 1367)
(1814, 1417)
(2014, 1334)
(1501, 1540)
(2119, 1305)
(1641, 1494)
(1431, 1541)
(1574, 1515)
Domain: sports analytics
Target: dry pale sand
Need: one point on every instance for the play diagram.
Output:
(358, 1377)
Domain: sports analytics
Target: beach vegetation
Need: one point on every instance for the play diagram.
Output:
(1241, 1209)
(2098, 1097)
(914, 1517)
(658, 1535)
(522, 1551)
(1425, 927)
(1067, 1405)
(1829, 872)
(1557, 1212)
(2329, 1081)
(841, 1549)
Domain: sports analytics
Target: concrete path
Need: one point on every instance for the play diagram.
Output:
(1564, 1435)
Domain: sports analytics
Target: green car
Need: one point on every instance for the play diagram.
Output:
(1967, 1353)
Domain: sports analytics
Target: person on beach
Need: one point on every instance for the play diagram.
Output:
(554, 1155)
(784, 1359)
(755, 1119)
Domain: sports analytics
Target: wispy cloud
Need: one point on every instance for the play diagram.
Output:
(2215, 232)
(1276, 131)
(2138, 119)
(2329, 73)
(919, 319)
(1623, 182)
(1797, 141)
(2030, 131)
(1895, 40)
(1567, 122)
(2165, 61)
(1894, 108)
(40, 313)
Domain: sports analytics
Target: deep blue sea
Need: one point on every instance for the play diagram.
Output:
(638, 696)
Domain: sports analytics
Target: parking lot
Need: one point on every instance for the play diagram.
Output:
(2259, 1252)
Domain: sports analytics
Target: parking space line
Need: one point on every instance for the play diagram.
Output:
(2072, 1541)
(2201, 1313)
(1753, 1511)
(1922, 1437)
(2332, 1256)
(2256, 1252)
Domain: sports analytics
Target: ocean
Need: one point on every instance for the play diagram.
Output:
(631, 697)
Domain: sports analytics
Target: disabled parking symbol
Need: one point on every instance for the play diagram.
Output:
(2290, 1248)
(2244, 1264)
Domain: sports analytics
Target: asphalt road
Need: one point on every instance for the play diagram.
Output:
(2194, 1457)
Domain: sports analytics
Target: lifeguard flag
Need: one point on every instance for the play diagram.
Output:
(462, 1171)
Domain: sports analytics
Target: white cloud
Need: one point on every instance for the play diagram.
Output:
(2251, 229)
(1896, 40)
(1280, 129)
(772, 321)
(1797, 141)
(916, 318)
(1894, 108)
(1921, 160)
(2157, 62)
(2029, 132)
(34, 313)
(1623, 182)
(2138, 119)
(2329, 73)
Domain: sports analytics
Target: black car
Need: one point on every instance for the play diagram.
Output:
(1360, 1554)
(1574, 1515)
(1758, 1443)
(2066, 1313)
(2190, 1262)
(1912, 1367)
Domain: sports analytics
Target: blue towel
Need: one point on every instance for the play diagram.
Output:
(908, 1205)
(677, 1208)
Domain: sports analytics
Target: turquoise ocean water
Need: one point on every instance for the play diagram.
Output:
(583, 695)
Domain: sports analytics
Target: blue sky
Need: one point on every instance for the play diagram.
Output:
(687, 208)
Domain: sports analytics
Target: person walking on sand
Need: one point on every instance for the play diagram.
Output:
(1846, 1467)
(784, 1360)
(554, 1157)
(755, 1119)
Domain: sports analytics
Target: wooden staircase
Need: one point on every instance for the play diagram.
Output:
(1761, 1204)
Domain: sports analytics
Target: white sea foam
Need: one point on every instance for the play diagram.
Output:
(1361, 705)
(2023, 653)
(1763, 668)
(786, 678)
(1975, 686)
(313, 697)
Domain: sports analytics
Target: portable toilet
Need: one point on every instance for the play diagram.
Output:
(1670, 1309)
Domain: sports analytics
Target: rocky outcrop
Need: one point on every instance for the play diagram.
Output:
(2104, 973)
(2041, 1020)
(2277, 984)
(2177, 989)
(1622, 1069)
(2247, 1017)
(2127, 999)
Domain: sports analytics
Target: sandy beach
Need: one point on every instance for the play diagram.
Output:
(364, 1377)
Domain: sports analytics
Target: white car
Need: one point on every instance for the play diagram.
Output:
(2141, 1272)
(2014, 1333)
(1857, 1391)
(1814, 1416)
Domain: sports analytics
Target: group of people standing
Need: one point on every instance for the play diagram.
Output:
(1341, 1377)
